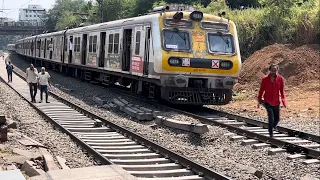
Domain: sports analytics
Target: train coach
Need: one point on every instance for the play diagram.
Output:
(11, 48)
(175, 53)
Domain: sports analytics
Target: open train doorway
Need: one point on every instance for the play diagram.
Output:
(126, 53)
(84, 49)
(102, 48)
(70, 49)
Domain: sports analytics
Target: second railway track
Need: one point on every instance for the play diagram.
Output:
(112, 144)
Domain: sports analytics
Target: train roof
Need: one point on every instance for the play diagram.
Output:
(122, 22)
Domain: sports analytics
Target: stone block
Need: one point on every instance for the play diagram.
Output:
(25, 153)
(191, 127)
(31, 170)
(49, 163)
(30, 142)
(4, 133)
(16, 159)
(62, 162)
(99, 101)
(118, 103)
(145, 109)
(3, 120)
(155, 114)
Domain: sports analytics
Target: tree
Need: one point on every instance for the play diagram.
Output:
(65, 13)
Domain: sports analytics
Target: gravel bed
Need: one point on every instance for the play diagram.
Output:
(310, 125)
(211, 149)
(30, 123)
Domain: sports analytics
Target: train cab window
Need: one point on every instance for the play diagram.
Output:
(110, 46)
(220, 43)
(137, 49)
(116, 43)
(176, 40)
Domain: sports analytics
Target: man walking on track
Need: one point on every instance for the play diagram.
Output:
(9, 68)
(31, 76)
(44, 81)
(272, 86)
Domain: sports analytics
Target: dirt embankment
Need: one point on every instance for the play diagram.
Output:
(298, 65)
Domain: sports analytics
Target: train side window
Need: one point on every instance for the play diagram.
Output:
(75, 44)
(116, 43)
(137, 50)
(79, 44)
(94, 44)
(90, 43)
(110, 46)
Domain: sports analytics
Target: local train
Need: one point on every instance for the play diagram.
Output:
(11, 48)
(175, 53)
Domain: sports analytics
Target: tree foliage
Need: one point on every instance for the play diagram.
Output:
(259, 22)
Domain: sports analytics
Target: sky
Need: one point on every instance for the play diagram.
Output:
(15, 5)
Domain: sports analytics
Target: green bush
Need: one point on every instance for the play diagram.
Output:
(285, 21)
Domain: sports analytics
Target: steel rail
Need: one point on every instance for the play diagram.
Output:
(290, 147)
(84, 145)
(184, 161)
(290, 132)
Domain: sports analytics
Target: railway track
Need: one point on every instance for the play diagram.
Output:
(112, 144)
(255, 133)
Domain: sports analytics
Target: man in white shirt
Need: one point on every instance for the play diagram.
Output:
(44, 81)
(32, 76)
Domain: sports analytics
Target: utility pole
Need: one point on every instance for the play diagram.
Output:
(100, 9)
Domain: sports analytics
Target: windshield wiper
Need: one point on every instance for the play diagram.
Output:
(225, 40)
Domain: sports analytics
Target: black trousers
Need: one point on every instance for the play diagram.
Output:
(33, 90)
(273, 117)
(9, 76)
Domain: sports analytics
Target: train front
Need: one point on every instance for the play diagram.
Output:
(200, 59)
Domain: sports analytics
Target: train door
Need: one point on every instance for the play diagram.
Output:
(71, 47)
(51, 48)
(45, 48)
(62, 50)
(126, 49)
(102, 49)
(147, 50)
(84, 48)
(39, 48)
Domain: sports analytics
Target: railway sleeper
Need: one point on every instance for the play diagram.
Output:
(164, 173)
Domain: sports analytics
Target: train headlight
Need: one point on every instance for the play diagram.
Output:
(174, 61)
(226, 64)
(196, 16)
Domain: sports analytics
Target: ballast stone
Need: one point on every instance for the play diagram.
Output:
(191, 127)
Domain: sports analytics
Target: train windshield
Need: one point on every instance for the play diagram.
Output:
(176, 40)
(221, 43)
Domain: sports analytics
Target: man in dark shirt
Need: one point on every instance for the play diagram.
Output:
(272, 86)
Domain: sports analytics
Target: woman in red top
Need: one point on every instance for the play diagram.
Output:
(272, 86)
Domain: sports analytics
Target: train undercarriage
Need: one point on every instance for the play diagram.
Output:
(145, 87)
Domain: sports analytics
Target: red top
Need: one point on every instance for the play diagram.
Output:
(271, 90)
